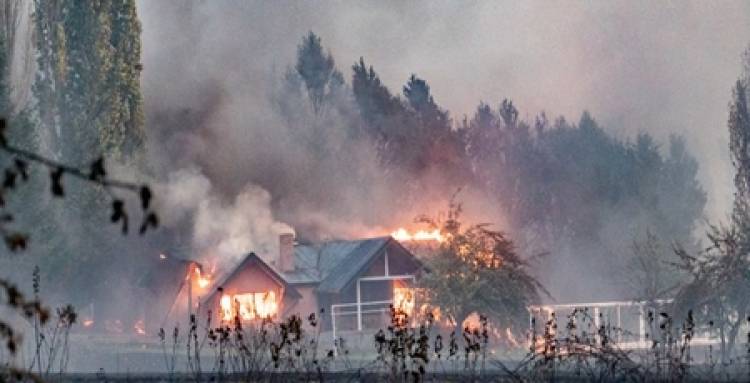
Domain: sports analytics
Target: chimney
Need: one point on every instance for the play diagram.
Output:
(286, 252)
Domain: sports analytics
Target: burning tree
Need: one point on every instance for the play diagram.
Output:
(477, 270)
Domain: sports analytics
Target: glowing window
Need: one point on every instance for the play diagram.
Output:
(249, 306)
(403, 299)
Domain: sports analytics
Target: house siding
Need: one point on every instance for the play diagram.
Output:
(400, 262)
(306, 304)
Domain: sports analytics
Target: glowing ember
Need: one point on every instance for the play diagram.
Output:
(249, 306)
(404, 235)
(139, 327)
(88, 323)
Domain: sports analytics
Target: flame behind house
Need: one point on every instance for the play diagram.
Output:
(404, 235)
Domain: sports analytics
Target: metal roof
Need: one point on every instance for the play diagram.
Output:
(330, 265)
(251, 259)
(333, 264)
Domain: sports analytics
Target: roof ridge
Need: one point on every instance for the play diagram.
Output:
(347, 267)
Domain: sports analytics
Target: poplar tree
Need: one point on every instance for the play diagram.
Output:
(88, 86)
(89, 106)
(739, 148)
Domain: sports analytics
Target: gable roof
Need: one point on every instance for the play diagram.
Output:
(334, 264)
(331, 265)
(250, 260)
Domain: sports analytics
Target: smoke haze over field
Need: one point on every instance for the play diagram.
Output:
(237, 117)
(662, 67)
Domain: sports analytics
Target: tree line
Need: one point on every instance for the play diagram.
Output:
(573, 189)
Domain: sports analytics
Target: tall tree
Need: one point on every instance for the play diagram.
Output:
(88, 106)
(386, 120)
(739, 149)
(5, 107)
(318, 71)
(87, 84)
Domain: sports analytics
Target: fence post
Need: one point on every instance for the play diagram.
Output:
(359, 306)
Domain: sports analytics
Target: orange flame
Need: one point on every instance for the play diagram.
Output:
(404, 235)
(88, 323)
(249, 306)
(203, 281)
(403, 299)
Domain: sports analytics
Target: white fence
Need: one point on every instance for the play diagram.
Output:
(629, 318)
(350, 316)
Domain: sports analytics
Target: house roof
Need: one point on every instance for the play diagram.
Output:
(330, 265)
(333, 264)
(252, 259)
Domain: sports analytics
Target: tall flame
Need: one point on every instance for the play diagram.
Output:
(404, 235)
(249, 306)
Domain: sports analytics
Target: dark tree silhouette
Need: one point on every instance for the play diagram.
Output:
(317, 70)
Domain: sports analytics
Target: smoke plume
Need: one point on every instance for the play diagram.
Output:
(216, 104)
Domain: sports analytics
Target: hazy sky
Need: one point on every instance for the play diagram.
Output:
(653, 66)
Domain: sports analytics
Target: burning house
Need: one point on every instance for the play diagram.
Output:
(353, 282)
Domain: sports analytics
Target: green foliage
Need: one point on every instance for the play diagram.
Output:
(88, 106)
(5, 106)
(477, 269)
(88, 86)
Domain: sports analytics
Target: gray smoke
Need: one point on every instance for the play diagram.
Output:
(223, 231)
(637, 66)
(213, 89)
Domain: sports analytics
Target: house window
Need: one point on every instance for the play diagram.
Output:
(403, 299)
(249, 306)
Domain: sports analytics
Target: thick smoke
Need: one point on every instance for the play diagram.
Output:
(227, 111)
(216, 101)
(663, 68)
(222, 232)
